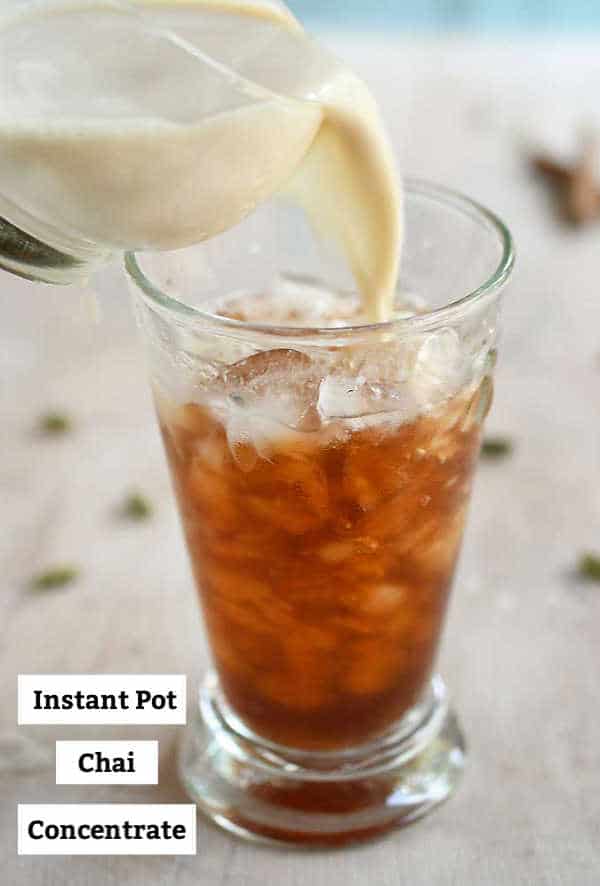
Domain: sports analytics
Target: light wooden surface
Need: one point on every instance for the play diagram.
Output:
(522, 650)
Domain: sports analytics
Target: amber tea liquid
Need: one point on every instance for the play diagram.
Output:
(323, 553)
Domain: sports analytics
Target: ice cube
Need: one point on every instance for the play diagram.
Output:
(355, 397)
(439, 369)
(280, 385)
(439, 354)
(344, 397)
(280, 361)
(479, 405)
(383, 599)
(242, 444)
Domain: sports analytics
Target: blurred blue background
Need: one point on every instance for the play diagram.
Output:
(476, 15)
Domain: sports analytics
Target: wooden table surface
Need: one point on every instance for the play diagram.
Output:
(522, 649)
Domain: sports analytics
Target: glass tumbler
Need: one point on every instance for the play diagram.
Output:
(323, 475)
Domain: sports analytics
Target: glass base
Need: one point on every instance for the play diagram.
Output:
(266, 792)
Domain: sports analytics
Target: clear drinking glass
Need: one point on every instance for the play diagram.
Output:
(323, 476)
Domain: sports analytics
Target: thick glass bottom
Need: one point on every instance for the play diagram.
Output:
(262, 791)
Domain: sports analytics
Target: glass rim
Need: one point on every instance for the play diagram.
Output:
(447, 313)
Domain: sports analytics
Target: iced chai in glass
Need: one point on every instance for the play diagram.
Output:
(323, 502)
(323, 468)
